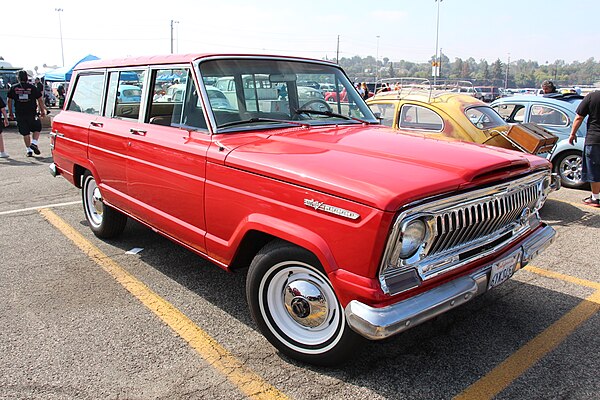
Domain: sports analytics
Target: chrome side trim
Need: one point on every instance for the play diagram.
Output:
(380, 323)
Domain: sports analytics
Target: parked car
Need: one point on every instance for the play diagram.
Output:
(347, 229)
(129, 94)
(487, 93)
(555, 114)
(446, 115)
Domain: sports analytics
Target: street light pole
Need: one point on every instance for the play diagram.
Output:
(507, 67)
(62, 51)
(437, 35)
(172, 22)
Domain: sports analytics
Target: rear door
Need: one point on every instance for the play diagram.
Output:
(110, 134)
(167, 157)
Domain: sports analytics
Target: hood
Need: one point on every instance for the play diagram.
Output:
(376, 166)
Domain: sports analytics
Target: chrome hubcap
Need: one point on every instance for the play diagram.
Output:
(570, 169)
(97, 201)
(305, 303)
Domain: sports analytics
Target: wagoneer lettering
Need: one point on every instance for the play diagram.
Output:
(349, 229)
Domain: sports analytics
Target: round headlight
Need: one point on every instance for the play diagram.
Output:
(413, 234)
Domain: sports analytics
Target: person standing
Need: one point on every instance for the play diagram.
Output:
(589, 107)
(27, 98)
(4, 123)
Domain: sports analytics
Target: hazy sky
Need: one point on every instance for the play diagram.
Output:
(540, 30)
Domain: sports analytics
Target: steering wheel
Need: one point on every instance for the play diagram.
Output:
(316, 105)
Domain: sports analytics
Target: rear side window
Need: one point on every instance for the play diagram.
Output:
(417, 117)
(124, 94)
(87, 94)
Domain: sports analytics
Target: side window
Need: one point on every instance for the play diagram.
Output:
(386, 113)
(175, 100)
(545, 115)
(87, 94)
(417, 117)
(128, 96)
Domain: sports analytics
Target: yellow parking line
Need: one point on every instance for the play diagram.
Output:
(562, 277)
(247, 381)
(515, 365)
(520, 361)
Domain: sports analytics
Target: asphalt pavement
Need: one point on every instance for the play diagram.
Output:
(142, 318)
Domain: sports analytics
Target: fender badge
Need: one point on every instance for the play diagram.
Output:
(319, 205)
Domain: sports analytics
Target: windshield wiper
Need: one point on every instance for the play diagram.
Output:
(254, 120)
(329, 114)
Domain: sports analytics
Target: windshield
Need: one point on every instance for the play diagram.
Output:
(247, 94)
(484, 117)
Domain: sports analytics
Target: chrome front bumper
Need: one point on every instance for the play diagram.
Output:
(380, 323)
(53, 170)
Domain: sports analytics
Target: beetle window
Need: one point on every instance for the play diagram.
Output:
(87, 95)
(545, 115)
(484, 117)
(416, 117)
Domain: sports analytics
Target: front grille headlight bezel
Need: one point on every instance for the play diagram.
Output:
(427, 259)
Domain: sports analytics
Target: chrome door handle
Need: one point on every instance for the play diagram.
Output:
(137, 132)
(97, 124)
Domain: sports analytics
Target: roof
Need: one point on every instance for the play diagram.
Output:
(558, 99)
(175, 59)
(424, 96)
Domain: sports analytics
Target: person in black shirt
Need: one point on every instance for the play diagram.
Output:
(27, 98)
(590, 107)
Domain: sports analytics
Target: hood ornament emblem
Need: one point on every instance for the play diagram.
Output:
(319, 205)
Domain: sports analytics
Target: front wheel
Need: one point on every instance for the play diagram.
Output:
(105, 221)
(568, 166)
(295, 307)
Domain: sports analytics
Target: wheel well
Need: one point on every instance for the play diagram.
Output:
(78, 172)
(250, 245)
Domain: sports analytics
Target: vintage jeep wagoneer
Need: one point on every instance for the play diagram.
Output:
(349, 229)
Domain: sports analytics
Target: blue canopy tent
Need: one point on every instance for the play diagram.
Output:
(63, 74)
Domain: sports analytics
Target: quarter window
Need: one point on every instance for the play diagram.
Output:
(87, 96)
(417, 117)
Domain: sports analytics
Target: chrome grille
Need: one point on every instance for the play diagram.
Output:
(466, 223)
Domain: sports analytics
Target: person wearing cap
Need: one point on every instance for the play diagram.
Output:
(590, 168)
(27, 99)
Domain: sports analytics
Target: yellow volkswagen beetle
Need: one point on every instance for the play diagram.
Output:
(441, 114)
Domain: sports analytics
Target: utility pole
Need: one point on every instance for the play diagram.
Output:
(377, 60)
(337, 53)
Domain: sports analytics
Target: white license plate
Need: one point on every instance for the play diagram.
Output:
(504, 269)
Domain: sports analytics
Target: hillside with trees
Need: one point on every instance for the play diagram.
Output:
(519, 73)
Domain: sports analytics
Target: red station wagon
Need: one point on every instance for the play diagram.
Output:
(348, 229)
